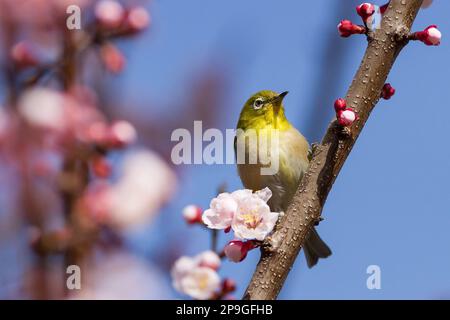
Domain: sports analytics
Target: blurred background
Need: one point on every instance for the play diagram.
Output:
(86, 118)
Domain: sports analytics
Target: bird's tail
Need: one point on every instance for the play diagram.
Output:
(315, 248)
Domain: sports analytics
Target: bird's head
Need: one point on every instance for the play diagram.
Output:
(264, 108)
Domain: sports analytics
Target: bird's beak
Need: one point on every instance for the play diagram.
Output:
(276, 102)
(282, 95)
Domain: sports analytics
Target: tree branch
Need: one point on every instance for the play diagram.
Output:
(283, 246)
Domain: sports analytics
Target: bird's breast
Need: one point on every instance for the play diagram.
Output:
(288, 155)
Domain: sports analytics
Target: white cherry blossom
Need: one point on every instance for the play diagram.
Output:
(221, 212)
(253, 219)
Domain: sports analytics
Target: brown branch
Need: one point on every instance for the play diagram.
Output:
(282, 248)
(74, 177)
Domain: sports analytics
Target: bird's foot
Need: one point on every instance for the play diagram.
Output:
(345, 132)
(314, 147)
(268, 245)
(318, 220)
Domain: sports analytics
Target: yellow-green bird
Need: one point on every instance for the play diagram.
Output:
(262, 113)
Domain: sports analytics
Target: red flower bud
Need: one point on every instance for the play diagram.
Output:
(23, 55)
(192, 214)
(340, 104)
(236, 250)
(112, 58)
(228, 285)
(346, 28)
(387, 92)
(431, 36)
(365, 10)
(122, 133)
(109, 13)
(346, 117)
(101, 167)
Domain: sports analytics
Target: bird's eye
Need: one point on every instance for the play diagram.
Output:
(258, 103)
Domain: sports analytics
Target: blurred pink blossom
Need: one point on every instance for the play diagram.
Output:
(138, 19)
(44, 108)
(59, 114)
(23, 55)
(122, 133)
(209, 259)
(112, 58)
(109, 13)
(96, 202)
(120, 275)
(146, 184)
(193, 279)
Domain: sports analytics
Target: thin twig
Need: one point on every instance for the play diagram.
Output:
(214, 236)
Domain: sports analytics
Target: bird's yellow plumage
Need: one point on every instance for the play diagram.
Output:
(263, 115)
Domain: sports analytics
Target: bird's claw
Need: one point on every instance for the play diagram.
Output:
(314, 147)
(318, 220)
(268, 245)
(345, 132)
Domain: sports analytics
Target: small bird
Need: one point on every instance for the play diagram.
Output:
(262, 113)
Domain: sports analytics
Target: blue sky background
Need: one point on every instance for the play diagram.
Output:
(390, 204)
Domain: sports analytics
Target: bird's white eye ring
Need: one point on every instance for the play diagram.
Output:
(258, 103)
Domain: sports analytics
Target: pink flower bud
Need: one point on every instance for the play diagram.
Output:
(340, 105)
(109, 13)
(365, 10)
(22, 55)
(192, 214)
(122, 133)
(97, 133)
(431, 36)
(112, 58)
(346, 117)
(209, 259)
(101, 167)
(137, 19)
(387, 92)
(96, 203)
(228, 285)
(346, 28)
(237, 250)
